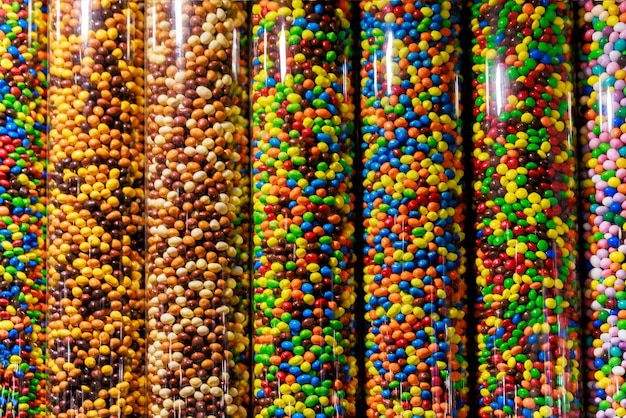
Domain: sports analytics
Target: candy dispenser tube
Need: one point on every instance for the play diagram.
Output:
(23, 109)
(414, 261)
(198, 196)
(602, 132)
(524, 196)
(303, 272)
(95, 207)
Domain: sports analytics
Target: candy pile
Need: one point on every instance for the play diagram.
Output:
(603, 138)
(304, 296)
(23, 69)
(524, 179)
(95, 255)
(197, 209)
(413, 209)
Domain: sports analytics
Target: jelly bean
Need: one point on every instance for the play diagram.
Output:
(96, 237)
(198, 198)
(524, 195)
(23, 92)
(413, 203)
(603, 171)
(303, 256)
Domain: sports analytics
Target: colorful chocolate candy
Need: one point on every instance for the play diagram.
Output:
(96, 308)
(524, 196)
(413, 203)
(304, 296)
(602, 83)
(23, 89)
(198, 196)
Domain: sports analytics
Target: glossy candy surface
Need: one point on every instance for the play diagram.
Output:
(524, 196)
(303, 122)
(413, 209)
(602, 79)
(96, 346)
(23, 90)
(197, 209)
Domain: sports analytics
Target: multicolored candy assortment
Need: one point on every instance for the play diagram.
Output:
(303, 233)
(23, 89)
(524, 195)
(304, 296)
(413, 202)
(602, 82)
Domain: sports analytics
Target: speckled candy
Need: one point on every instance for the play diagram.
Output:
(197, 209)
(23, 89)
(524, 196)
(413, 203)
(602, 83)
(302, 118)
(95, 341)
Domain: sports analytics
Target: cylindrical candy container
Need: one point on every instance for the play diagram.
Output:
(303, 265)
(197, 209)
(524, 196)
(602, 82)
(96, 303)
(23, 89)
(414, 260)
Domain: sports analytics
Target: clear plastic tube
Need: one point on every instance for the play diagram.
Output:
(197, 209)
(524, 195)
(23, 89)
(304, 296)
(602, 80)
(95, 190)
(414, 259)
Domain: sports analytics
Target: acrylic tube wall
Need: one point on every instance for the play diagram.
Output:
(23, 89)
(414, 259)
(303, 154)
(602, 79)
(524, 196)
(95, 198)
(197, 148)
